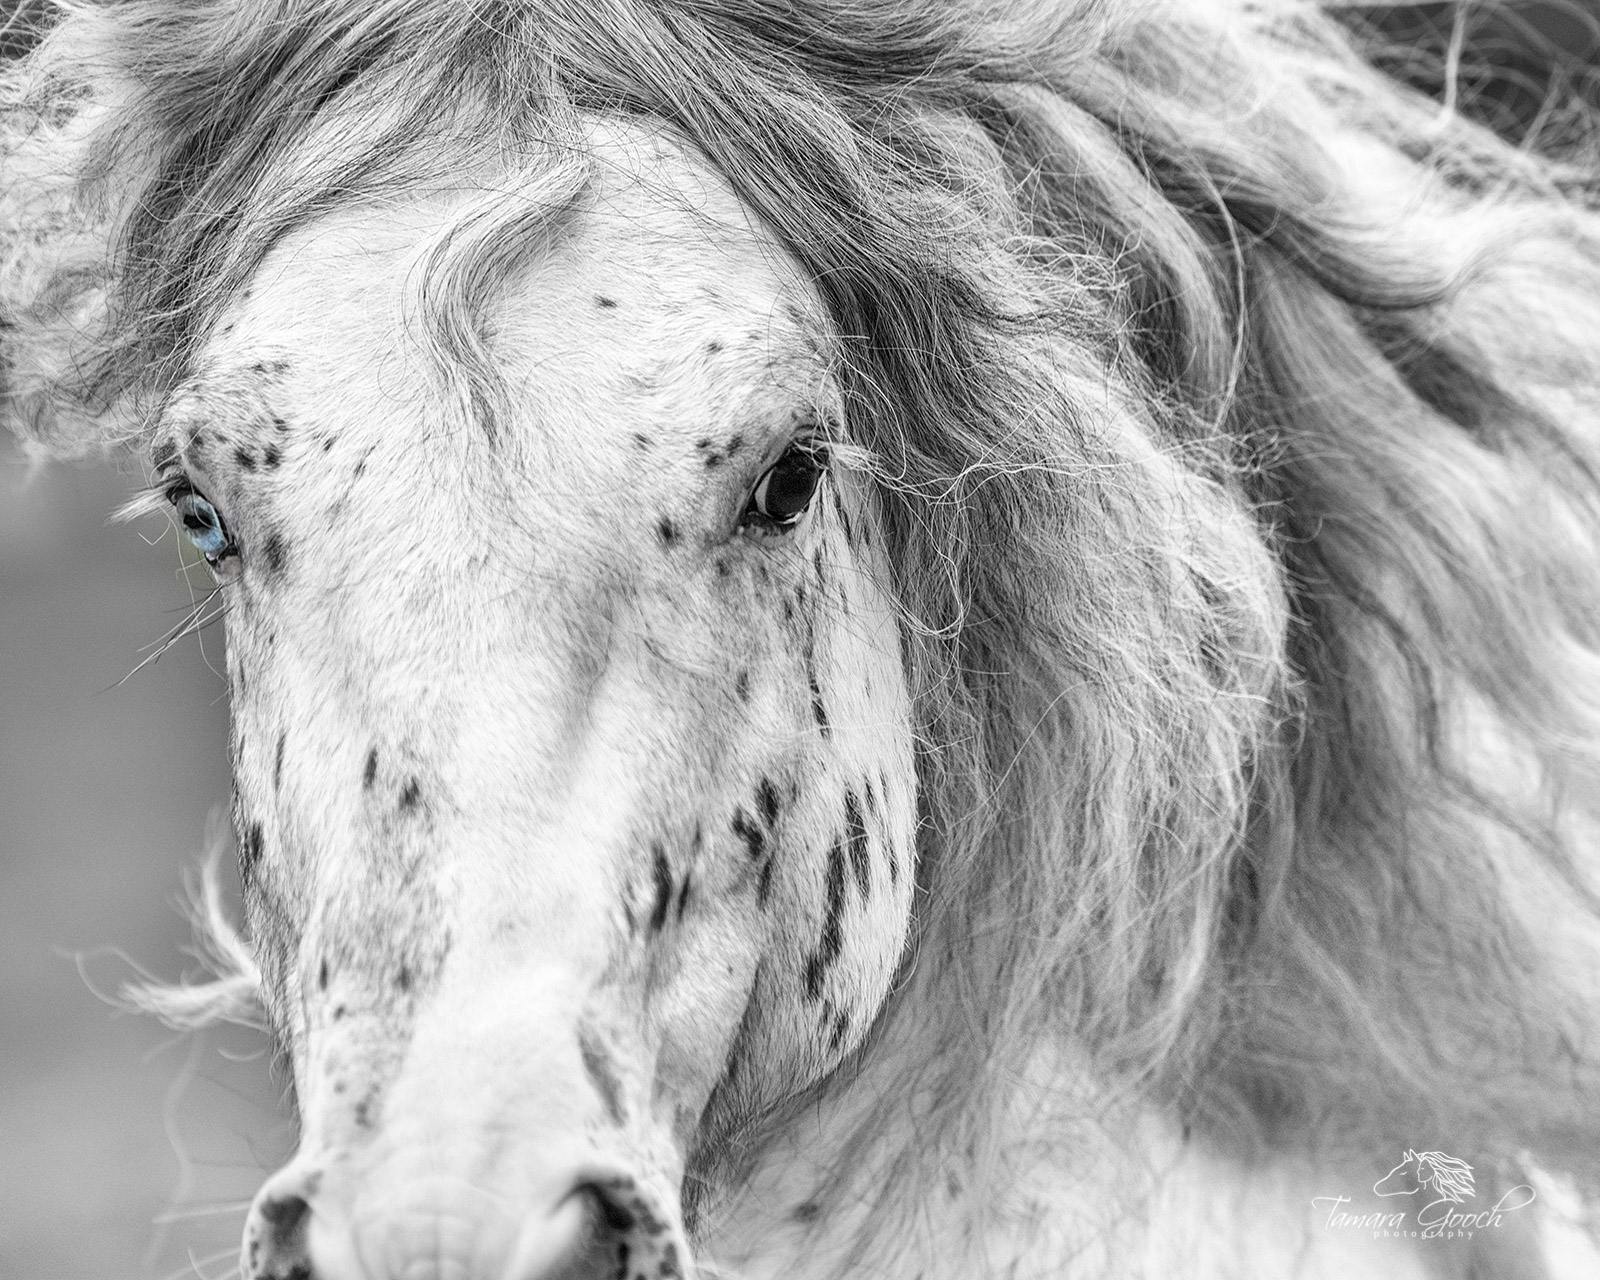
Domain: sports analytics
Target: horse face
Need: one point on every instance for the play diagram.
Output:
(572, 750)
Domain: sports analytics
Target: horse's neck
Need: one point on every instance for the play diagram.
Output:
(1065, 1186)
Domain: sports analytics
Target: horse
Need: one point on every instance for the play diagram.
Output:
(865, 637)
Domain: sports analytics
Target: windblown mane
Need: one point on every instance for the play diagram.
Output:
(1236, 418)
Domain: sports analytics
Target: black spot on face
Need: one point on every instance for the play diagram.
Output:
(640, 440)
(764, 884)
(807, 1211)
(410, 795)
(663, 885)
(832, 940)
(402, 980)
(605, 304)
(250, 852)
(603, 1075)
(271, 457)
(735, 443)
(856, 835)
(819, 713)
(703, 444)
(274, 554)
(327, 444)
(755, 840)
(683, 894)
(767, 797)
(666, 531)
(279, 425)
(322, 975)
(369, 770)
(277, 761)
(841, 1025)
(164, 455)
(713, 461)
(741, 686)
(244, 458)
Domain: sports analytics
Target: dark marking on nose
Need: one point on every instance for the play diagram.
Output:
(816, 560)
(755, 840)
(667, 531)
(741, 686)
(723, 567)
(703, 444)
(244, 458)
(322, 975)
(640, 440)
(370, 771)
(250, 852)
(764, 884)
(832, 940)
(605, 304)
(856, 834)
(735, 443)
(338, 1012)
(271, 457)
(713, 461)
(800, 597)
(402, 980)
(627, 915)
(164, 455)
(278, 424)
(277, 761)
(602, 1073)
(663, 879)
(361, 466)
(363, 1112)
(683, 893)
(806, 1211)
(327, 443)
(274, 554)
(767, 796)
(410, 795)
(713, 347)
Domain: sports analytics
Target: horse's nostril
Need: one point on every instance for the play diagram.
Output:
(285, 1213)
(275, 1239)
(612, 1213)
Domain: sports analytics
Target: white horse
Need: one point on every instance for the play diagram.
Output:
(867, 638)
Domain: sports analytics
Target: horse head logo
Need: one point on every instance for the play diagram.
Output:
(1449, 1178)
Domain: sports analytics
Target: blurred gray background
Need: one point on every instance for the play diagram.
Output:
(126, 1151)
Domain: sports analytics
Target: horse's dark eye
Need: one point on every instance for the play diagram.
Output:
(782, 495)
(202, 524)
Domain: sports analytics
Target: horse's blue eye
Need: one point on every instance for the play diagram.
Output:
(201, 524)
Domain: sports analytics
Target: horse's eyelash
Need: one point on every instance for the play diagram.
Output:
(157, 496)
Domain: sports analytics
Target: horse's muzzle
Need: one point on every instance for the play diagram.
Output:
(437, 1230)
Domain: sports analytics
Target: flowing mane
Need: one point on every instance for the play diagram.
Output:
(1258, 712)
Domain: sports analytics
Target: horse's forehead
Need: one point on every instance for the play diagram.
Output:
(642, 302)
